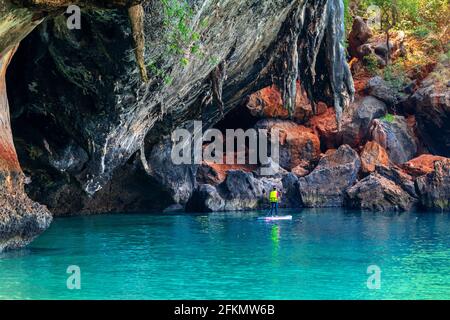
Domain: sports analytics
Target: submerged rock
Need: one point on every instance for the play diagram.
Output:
(325, 185)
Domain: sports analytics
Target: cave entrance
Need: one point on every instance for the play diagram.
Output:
(49, 138)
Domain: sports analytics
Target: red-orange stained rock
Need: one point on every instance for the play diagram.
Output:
(325, 126)
(373, 154)
(422, 165)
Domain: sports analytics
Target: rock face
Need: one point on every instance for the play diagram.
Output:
(432, 110)
(396, 137)
(268, 103)
(244, 191)
(21, 219)
(92, 113)
(325, 185)
(297, 143)
(434, 188)
(372, 155)
(325, 127)
(377, 193)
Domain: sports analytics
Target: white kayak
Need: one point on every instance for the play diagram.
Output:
(274, 218)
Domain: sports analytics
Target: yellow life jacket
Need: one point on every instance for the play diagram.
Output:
(273, 196)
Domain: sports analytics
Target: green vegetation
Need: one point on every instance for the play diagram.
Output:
(371, 64)
(388, 118)
(181, 40)
(395, 75)
(413, 15)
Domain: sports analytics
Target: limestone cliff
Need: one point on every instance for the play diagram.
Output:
(85, 101)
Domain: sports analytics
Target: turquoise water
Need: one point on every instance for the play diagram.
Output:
(320, 254)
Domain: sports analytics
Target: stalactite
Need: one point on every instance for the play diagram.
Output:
(315, 28)
(218, 76)
(136, 15)
(340, 75)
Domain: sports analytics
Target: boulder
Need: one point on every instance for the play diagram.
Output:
(422, 165)
(324, 126)
(399, 177)
(245, 191)
(205, 199)
(394, 135)
(377, 193)
(297, 143)
(373, 154)
(358, 118)
(434, 188)
(358, 36)
(325, 185)
(290, 194)
(379, 89)
(302, 169)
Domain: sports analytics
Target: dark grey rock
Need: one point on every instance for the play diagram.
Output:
(434, 188)
(325, 186)
(358, 118)
(377, 193)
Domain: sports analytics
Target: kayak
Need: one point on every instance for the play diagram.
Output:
(275, 218)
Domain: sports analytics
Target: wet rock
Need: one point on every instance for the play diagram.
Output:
(358, 118)
(205, 199)
(297, 143)
(21, 219)
(245, 191)
(394, 135)
(377, 193)
(325, 185)
(373, 154)
(178, 180)
(423, 164)
(174, 208)
(242, 191)
(290, 192)
(434, 188)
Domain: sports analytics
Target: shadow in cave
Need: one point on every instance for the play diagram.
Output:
(52, 149)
